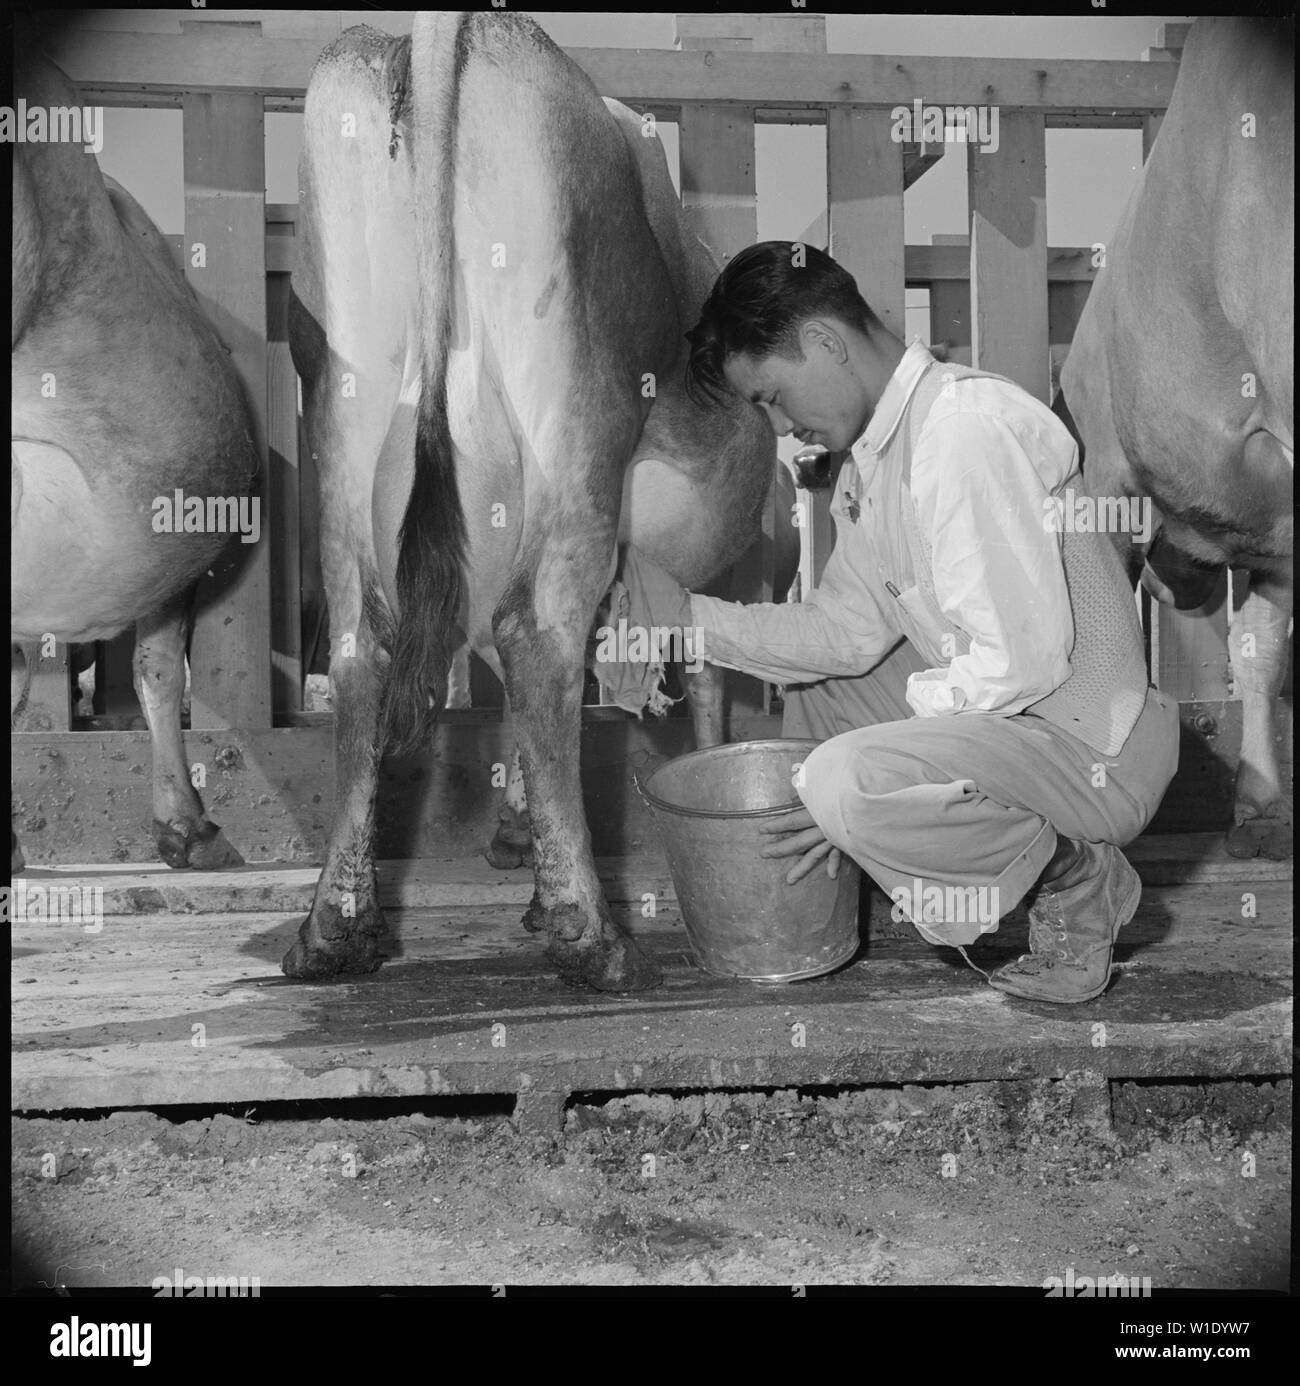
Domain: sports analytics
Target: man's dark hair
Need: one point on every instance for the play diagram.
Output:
(758, 303)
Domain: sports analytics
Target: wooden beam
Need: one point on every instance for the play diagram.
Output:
(1008, 212)
(796, 32)
(950, 312)
(225, 193)
(284, 492)
(1189, 649)
(48, 707)
(922, 264)
(115, 676)
(720, 205)
(717, 171)
(280, 790)
(864, 176)
(131, 69)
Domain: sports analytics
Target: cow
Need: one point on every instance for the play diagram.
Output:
(122, 395)
(642, 521)
(487, 313)
(639, 523)
(1179, 382)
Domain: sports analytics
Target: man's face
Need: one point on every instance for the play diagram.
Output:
(819, 399)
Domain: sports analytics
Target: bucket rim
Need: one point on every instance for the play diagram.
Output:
(683, 812)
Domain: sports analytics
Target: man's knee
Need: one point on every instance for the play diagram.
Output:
(856, 768)
(823, 782)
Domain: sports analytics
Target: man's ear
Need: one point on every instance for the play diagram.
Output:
(821, 336)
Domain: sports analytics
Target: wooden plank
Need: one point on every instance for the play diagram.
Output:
(718, 199)
(772, 33)
(922, 264)
(950, 313)
(1190, 648)
(225, 188)
(48, 704)
(864, 176)
(272, 791)
(123, 69)
(717, 173)
(469, 882)
(949, 261)
(1173, 37)
(1065, 302)
(115, 676)
(1008, 211)
(1193, 998)
(283, 490)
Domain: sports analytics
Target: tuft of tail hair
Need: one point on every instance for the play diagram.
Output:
(431, 547)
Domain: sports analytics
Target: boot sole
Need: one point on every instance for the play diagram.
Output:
(1125, 913)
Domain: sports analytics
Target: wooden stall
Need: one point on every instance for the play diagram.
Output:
(188, 952)
(1000, 293)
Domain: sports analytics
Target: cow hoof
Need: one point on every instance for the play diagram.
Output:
(1264, 836)
(506, 855)
(567, 923)
(607, 964)
(190, 846)
(213, 853)
(314, 962)
(329, 944)
(17, 862)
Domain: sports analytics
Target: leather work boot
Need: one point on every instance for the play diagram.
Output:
(1073, 924)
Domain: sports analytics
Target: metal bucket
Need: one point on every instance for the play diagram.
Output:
(741, 917)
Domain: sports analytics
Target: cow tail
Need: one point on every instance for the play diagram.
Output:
(431, 546)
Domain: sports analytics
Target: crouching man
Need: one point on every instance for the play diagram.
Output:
(976, 676)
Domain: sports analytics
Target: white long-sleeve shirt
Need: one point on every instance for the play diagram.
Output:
(986, 460)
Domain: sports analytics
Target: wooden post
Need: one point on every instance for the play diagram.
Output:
(1008, 275)
(950, 305)
(718, 198)
(283, 501)
(1189, 649)
(864, 178)
(49, 688)
(115, 677)
(225, 213)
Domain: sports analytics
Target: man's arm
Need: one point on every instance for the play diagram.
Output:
(997, 565)
(839, 629)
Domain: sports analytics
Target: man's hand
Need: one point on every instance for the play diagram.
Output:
(799, 834)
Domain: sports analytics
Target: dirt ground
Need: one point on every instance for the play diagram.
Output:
(978, 1184)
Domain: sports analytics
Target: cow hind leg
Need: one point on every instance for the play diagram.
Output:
(1262, 823)
(343, 930)
(184, 834)
(540, 626)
